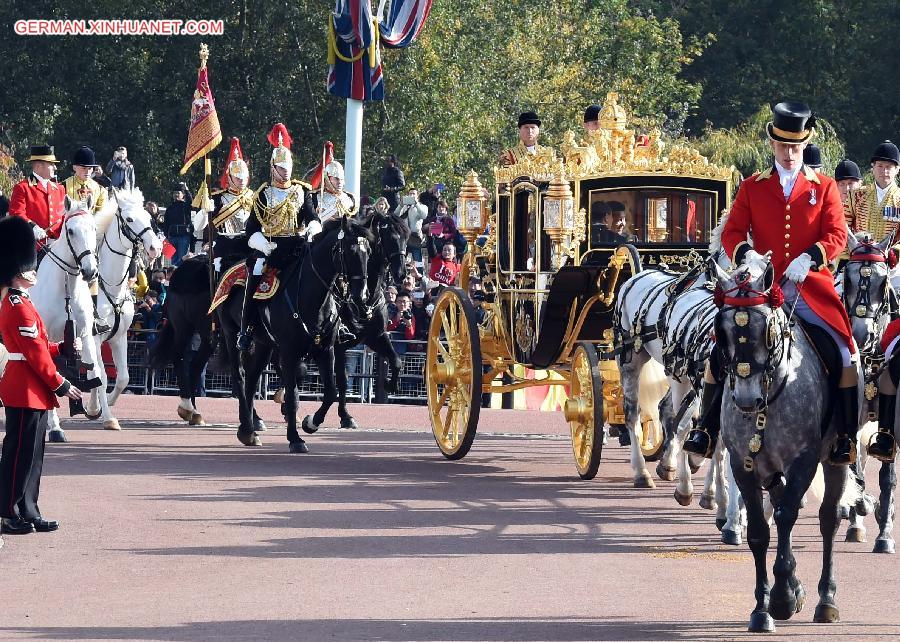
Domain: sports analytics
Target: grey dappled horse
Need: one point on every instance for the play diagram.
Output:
(865, 286)
(775, 379)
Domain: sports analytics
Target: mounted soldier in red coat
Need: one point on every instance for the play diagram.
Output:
(39, 198)
(795, 216)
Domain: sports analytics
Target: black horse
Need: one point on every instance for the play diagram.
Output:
(302, 318)
(387, 260)
(185, 314)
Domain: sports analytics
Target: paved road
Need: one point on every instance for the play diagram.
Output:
(177, 533)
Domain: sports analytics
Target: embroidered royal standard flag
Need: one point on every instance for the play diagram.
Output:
(204, 132)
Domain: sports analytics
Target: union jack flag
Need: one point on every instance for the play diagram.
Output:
(353, 51)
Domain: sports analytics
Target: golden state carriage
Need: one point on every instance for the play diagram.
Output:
(549, 281)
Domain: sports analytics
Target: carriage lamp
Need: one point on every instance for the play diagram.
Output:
(471, 208)
(560, 219)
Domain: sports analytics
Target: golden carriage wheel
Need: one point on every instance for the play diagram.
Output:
(584, 410)
(453, 372)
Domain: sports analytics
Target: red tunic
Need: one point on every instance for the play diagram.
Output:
(43, 207)
(30, 383)
(811, 221)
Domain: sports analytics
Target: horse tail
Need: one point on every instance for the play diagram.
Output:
(163, 351)
(852, 492)
(652, 387)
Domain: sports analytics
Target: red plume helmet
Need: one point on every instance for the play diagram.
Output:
(318, 172)
(235, 154)
(286, 139)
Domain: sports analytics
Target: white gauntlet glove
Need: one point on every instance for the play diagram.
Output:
(799, 268)
(39, 233)
(312, 229)
(259, 242)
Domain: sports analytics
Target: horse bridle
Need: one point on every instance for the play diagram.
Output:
(339, 287)
(69, 268)
(867, 254)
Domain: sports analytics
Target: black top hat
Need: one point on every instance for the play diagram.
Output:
(84, 156)
(847, 169)
(599, 209)
(529, 118)
(887, 151)
(812, 156)
(792, 123)
(592, 114)
(17, 249)
(42, 153)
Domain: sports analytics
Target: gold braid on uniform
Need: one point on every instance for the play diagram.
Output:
(869, 215)
(280, 220)
(242, 201)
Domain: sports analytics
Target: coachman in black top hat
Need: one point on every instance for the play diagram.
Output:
(529, 131)
(792, 123)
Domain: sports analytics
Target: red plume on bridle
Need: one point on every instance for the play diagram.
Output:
(286, 139)
(319, 171)
(234, 154)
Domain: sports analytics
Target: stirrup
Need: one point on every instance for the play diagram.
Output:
(876, 449)
(836, 458)
(693, 435)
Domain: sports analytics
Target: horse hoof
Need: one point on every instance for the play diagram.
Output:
(864, 505)
(644, 481)
(112, 424)
(308, 426)
(826, 614)
(845, 512)
(197, 420)
(259, 426)
(730, 537)
(884, 546)
(57, 437)
(298, 447)
(783, 609)
(855, 534)
(349, 422)
(683, 499)
(93, 416)
(665, 473)
(249, 439)
(708, 502)
(185, 413)
(720, 522)
(761, 622)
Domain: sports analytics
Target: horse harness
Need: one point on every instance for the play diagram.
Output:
(71, 270)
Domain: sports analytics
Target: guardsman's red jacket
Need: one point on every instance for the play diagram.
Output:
(30, 379)
(42, 206)
(811, 220)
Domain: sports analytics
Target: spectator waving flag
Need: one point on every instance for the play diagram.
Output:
(354, 36)
(204, 132)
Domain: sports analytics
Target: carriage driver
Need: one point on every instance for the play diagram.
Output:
(796, 215)
(38, 199)
(283, 218)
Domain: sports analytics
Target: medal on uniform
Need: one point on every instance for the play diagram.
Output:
(891, 213)
(812, 196)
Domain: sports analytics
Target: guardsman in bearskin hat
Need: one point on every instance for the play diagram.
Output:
(283, 218)
(529, 131)
(794, 214)
(39, 199)
(29, 385)
(231, 208)
(81, 182)
(876, 208)
(848, 179)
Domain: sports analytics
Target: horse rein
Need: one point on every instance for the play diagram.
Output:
(75, 268)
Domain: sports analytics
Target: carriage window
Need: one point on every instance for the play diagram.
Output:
(651, 216)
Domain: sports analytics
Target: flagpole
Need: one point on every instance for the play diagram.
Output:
(353, 147)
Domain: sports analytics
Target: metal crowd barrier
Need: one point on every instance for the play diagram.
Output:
(367, 375)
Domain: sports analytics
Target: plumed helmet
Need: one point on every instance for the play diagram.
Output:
(281, 141)
(17, 249)
(236, 166)
(335, 170)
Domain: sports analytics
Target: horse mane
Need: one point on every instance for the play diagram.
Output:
(126, 199)
(715, 236)
(396, 223)
(356, 228)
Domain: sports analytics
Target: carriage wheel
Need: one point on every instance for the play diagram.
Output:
(584, 410)
(453, 372)
(652, 440)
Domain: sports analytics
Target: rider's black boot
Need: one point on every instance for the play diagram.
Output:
(883, 447)
(702, 439)
(843, 451)
(248, 313)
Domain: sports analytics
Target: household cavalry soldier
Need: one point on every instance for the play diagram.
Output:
(39, 199)
(795, 214)
(876, 208)
(529, 131)
(282, 218)
(29, 385)
(231, 208)
(81, 182)
(333, 201)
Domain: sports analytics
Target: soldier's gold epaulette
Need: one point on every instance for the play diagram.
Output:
(303, 184)
(764, 175)
(217, 192)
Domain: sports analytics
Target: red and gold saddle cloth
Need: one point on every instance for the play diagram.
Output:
(236, 275)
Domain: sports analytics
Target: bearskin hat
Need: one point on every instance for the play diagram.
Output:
(17, 249)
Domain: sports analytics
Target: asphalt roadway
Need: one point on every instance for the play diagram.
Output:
(172, 532)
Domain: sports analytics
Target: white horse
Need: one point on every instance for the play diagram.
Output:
(62, 292)
(123, 226)
(646, 309)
